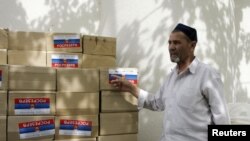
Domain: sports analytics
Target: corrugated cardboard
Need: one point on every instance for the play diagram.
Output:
(104, 80)
(64, 42)
(4, 77)
(3, 130)
(64, 60)
(77, 80)
(3, 103)
(89, 43)
(3, 56)
(98, 61)
(118, 123)
(32, 78)
(86, 139)
(78, 103)
(30, 41)
(99, 45)
(15, 95)
(27, 58)
(116, 101)
(13, 127)
(3, 38)
(85, 118)
(125, 137)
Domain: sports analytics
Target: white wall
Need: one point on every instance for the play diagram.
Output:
(50, 15)
(142, 28)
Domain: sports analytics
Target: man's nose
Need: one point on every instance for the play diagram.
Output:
(171, 47)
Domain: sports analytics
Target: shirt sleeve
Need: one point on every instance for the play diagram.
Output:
(216, 100)
(150, 101)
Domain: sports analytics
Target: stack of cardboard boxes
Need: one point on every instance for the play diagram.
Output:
(3, 82)
(31, 102)
(57, 88)
(119, 115)
(27, 48)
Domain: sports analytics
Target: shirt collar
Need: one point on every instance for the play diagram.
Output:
(192, 67)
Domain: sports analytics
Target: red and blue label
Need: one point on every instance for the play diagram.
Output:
(64, 61)
(67, 41)
(75, 127)
(32, 106)
(36, 128)
(129, 74)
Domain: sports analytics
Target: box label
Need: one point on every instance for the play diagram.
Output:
(64, 61)
(130, 74)
(1, 77)
(35, 129)
(75, 127)
(32, 106)
(66, 41)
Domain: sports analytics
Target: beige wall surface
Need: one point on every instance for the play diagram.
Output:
(142, 28)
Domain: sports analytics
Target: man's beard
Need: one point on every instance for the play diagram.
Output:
(175, 59)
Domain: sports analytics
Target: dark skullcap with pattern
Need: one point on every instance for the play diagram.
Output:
(187, 30)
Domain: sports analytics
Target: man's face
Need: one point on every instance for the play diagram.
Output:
(180, 47)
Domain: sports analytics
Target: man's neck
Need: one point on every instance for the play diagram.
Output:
(182, 66)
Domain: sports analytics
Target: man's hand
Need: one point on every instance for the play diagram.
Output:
(124, 85)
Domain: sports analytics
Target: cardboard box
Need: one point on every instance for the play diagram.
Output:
(3, 56)
(77, 103)
(31, 128)
(64, 60)
(116, 101)
(125, 137)
(77, 80)
(3, 38)
(104, 80)
(31, 103)
(27, 58)
(64, 42)
(75, 127)
(32, 78)
(30, 41)
(98, 61)
(3, 130)
(4, 77)
(3, 103)
(99, 45)
(86, 139)
(106, 75)
(118, 123)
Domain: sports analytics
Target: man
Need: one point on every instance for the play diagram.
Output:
(192, 94)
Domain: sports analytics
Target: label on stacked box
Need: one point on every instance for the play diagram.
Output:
(67, 41)
(32, 106)
(36, 129)
(75, 127)
(64, 61)
(130, 74)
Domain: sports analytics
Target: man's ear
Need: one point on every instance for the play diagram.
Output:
(193, 44)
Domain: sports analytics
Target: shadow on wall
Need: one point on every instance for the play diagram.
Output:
(243, 42)
(14, 12)
(216, 18)
(57, 15)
